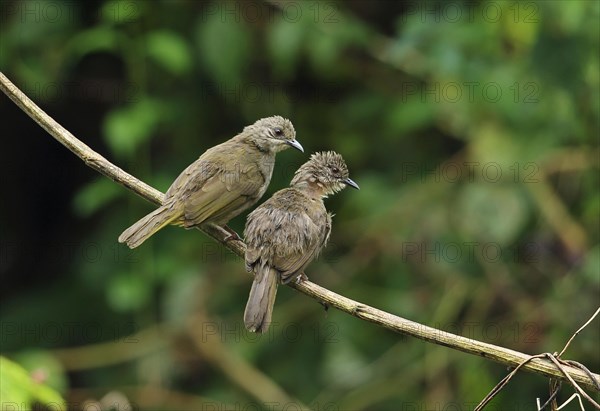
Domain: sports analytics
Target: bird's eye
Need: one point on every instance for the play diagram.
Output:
(335, 169)
(278, 131)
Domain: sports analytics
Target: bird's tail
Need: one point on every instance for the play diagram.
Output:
(148, 225)
(259, 308)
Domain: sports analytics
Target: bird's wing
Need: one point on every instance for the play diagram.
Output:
(217, 188)
(223, 195)
(326, 231)
(260, 226)
(194, 176)
(316, 238)
(283, 237)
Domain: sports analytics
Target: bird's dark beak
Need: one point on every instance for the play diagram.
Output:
(295, 144)
(351, 183)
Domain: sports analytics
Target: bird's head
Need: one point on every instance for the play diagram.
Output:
(274, 134)
(325, 172)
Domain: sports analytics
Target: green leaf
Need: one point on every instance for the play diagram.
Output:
(170, 50)
(95, 195)
(125, 129)
(18, 387)
(128, 292)
(324, 52)
(94, 40)
(285, 43)
(225, 48)
(44, 365)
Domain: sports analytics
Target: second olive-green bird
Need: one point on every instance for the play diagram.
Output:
(288, 231)
(226, 180)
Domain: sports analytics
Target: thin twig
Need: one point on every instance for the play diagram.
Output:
(554, 390)
(560, 365)
(503, 383)
(571, 398)
(586, 370)
(354, 308)
(577, 332)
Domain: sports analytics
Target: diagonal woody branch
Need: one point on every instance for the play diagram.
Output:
(364, 312)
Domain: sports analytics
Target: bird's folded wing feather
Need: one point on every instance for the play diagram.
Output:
(284, 239)
(218, 193)
(315, 239)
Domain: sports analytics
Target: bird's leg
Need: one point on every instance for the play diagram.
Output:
(301, 277)
(232, 234)
(220, 231)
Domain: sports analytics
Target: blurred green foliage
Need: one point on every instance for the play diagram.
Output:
(471, 127)
(19, 388)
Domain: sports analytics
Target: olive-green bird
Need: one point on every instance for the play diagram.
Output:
(226, 180)
(285, 233)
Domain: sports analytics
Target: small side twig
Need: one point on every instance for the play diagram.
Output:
(554, 386)
(560, 365)
(577, 332)
(503, 383)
